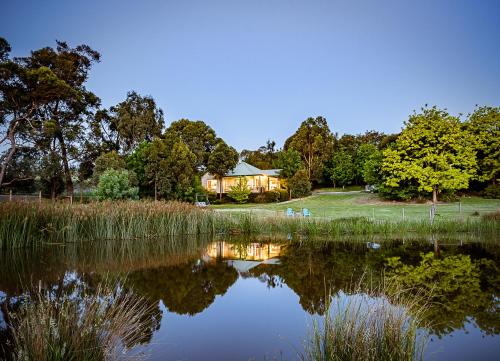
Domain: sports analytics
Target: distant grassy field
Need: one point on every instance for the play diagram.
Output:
(368, 205)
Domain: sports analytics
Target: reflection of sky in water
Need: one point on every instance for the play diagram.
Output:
(249, 321)
(464, 345)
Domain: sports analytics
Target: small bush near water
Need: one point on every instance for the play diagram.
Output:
(374, 326)
(93, 326)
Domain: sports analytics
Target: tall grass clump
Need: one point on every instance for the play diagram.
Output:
(95, 326)
(369, 326)
(24, 224)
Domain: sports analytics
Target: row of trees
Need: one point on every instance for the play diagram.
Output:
(435, 153)
(54, 133)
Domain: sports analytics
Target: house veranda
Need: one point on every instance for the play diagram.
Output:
(258, 180)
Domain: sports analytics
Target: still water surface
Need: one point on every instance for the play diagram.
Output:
(256, 300)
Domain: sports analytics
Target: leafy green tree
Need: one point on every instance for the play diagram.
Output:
(433, 151)
(63, 119)
(27, 88)
(289, 161)
(198, 136)
(111, 160)
(314, 141)
(262, 158)
(124, 126)
(363, 153)
(155, 153)
(371, 170)
(223, 159)
(136, 162)
(240, 192)
(171, 171)
(299, 185)
(484, 125)
(114, 185)
(342, 171)
(178, 172)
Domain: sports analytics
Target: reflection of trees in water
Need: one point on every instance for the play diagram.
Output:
(170, 272)
(468, 285)
(314, 270)
(184, 289)
(461, 287)
(21, 267)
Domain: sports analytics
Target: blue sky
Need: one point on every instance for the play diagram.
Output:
(253, 70)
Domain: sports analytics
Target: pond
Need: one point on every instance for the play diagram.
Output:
(256, 299)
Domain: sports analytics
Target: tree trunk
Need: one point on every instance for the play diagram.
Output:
(10, 154)
(67, 172)
(437, 249)
(434, 196)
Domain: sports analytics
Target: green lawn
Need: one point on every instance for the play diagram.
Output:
(369, 205)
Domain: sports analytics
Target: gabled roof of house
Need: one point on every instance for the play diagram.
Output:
(271, 172)
(243, 169)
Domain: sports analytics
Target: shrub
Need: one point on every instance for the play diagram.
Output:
(492, 191)
(115, 184)
(260, 198)
(240, 191)
(272, 196)
(283, 195)
(106, 161)
(299, 184)
(267, 197)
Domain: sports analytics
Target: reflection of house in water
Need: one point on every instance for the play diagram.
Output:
(245, 257)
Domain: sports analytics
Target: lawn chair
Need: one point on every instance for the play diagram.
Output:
(306, 212)
(290, 212)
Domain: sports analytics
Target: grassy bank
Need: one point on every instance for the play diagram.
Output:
(336, 206)
(24, 224)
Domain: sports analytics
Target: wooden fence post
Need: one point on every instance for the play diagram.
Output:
(10, 195)
(39, 196)
(459, 207)
(403, 214)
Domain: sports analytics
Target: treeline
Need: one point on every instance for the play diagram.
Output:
(55, 136)
(435, 154)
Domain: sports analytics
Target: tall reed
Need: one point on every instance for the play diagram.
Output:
(369, 326)
(24, 225)
(96, 326)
